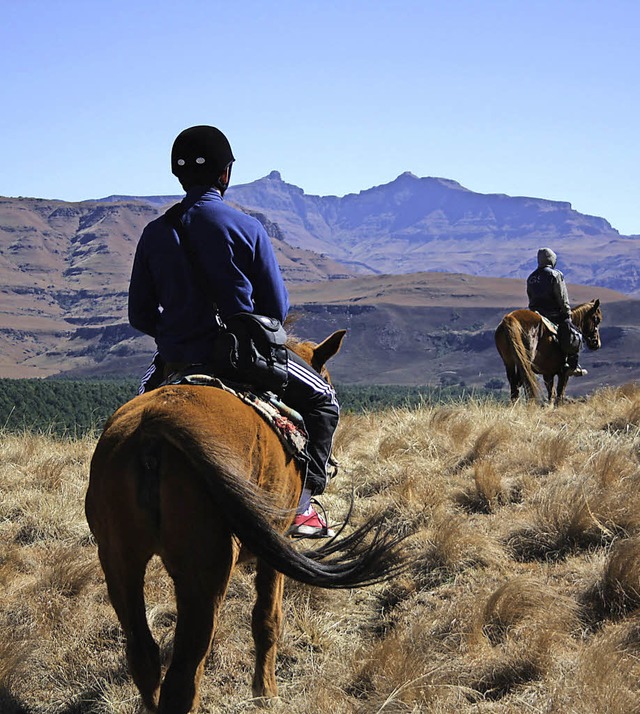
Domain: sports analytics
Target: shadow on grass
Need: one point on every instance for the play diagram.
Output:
(10, 705)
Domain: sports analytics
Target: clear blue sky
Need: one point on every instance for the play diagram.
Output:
(524, 97)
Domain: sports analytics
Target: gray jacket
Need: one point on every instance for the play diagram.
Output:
(547, 290)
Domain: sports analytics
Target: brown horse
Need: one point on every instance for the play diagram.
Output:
(196, 476)
(528, 347)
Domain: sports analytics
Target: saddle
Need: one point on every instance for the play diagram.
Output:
(551, 326)
(285, 421)
(570, 340)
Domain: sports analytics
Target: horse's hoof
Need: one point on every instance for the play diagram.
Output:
(266, 702)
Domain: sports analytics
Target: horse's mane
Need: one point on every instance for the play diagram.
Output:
(292, 339)
(579, 311)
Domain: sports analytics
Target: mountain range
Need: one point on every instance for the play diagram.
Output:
(434, 224)
(417, 224)
(356, 261)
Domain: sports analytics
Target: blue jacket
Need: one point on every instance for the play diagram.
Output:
(235, 254)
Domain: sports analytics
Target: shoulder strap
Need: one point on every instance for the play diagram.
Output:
(174, 217)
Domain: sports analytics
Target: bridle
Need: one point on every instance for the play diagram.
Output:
(590, 329)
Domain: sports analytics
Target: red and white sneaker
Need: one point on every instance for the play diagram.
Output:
(310, 525)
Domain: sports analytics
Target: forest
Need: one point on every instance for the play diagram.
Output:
(80, 407)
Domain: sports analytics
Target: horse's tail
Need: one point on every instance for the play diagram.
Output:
(514, 333)
(348, 562)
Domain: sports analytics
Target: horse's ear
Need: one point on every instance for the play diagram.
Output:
(327, 349)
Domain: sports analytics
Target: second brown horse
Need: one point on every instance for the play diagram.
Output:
(528, 347)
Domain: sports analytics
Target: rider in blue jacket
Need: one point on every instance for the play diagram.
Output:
(236, 258)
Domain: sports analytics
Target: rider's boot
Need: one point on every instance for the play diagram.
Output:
(308, 523)
(572, 368)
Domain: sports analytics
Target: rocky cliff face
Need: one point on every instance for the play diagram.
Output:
(72, 254)
(66, 266)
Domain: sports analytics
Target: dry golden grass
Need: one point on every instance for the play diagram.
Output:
(523, 593)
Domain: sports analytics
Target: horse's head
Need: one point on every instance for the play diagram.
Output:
(318, 355)
(590, 325)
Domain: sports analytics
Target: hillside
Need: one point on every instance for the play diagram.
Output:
(64, 270)
(66, 265)
(66, 248)
(435, 328)
(430, 328)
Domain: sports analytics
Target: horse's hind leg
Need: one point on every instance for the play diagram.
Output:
(200, 580)
(549, 383)
(514, 382)
(124, 572)
(266, 626)
(563, 379)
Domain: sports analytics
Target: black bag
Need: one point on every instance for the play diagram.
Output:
(251, 348)
(569, 337)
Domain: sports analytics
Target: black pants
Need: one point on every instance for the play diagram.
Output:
(572, 360)
(154, 376)
(315, 400)
(306, 392)
(569, 346)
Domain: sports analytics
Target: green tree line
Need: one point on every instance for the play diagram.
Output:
(61, 406)
(69, 407)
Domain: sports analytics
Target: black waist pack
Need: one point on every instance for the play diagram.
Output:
(251, 348)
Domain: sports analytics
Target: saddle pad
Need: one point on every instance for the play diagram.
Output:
(551, 326)
(284, 420)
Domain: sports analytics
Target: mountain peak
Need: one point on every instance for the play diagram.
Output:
(408, 176)
(431, 223)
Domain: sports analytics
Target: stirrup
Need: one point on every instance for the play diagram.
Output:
(576, 371)
(311, 525)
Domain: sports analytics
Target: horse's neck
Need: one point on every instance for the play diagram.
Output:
(577, 315)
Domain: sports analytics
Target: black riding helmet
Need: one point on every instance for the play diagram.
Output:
(199, 155)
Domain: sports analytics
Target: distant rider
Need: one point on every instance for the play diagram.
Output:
(238, 260)
(548, 295)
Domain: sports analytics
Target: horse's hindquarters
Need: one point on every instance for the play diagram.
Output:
(516, 338)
